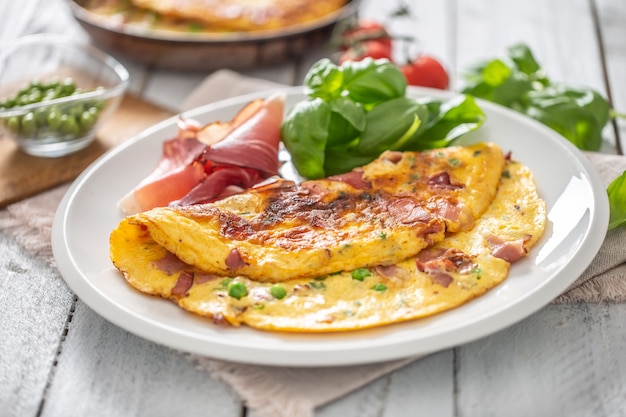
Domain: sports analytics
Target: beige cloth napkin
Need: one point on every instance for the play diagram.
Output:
(295, 392)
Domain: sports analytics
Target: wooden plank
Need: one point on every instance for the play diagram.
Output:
(34, 304)
(566, 360)
(612, 27)
(105, 371)
(561, 33)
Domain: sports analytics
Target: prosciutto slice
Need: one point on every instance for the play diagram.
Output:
(205, 164)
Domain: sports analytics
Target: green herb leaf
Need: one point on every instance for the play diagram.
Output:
(449, 120)
(323, 80)
(577, 113)
(340, 160)
(380, 135)
(371, 82)
(304, 133)
(617, 201)
(358, 110)
(347, 121)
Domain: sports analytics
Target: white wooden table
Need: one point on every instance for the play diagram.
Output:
(59, 358)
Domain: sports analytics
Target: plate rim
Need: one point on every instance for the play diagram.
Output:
(474, 330)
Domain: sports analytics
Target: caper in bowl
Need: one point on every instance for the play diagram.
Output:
(55, 93)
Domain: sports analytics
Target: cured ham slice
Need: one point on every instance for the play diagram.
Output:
(203, 164)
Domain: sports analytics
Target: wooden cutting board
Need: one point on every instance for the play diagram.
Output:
(22, 175)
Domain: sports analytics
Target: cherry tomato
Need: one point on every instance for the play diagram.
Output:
(365, 30)
(373, 49)
(426, 71)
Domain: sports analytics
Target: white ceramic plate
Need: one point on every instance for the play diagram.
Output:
(578, 218)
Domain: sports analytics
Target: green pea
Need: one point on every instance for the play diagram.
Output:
(13, 123)
(87, 120)
(361, 273)
(54, 119)
(76, 110)
(68, 87)
(23, 100)
(35, 96)
(68, 125)
(41, 116)
(278, 291)
(49, 95)
(53, 83)
(379, 287)
(23, 90)
(58, 91)
(29, 124)
(237, 290)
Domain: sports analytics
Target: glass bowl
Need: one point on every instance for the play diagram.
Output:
(55, 93)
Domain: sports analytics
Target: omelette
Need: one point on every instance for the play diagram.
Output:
(380, 214)
(243, 15)
(444, 275)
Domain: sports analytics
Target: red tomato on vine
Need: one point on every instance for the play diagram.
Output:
(426, 71)
(373, 49)
(365, 30)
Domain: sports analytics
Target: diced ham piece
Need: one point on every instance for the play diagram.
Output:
(353, 178)
(408, 211)
(508, 251)
(234, 260)
(393, 273)
(170, 264)
(442, 279)
(442, 181)
(184, 282)
(438, 263)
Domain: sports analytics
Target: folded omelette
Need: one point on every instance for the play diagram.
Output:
(410, 235)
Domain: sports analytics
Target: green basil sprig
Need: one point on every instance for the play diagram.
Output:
(578, 113)
(358, 110)
(617, 201)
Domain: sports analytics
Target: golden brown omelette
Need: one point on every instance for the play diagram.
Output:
(243, 15)
(451, 272)
(387, 211)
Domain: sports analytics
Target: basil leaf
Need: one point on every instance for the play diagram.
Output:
(449, 120)
(324, 79)
(347, 121)
(617, 201)
(579, 114)
(499, 83)
(381, 135)
(371, 82)
(304, 133)
(341, 160)
(524, 59)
